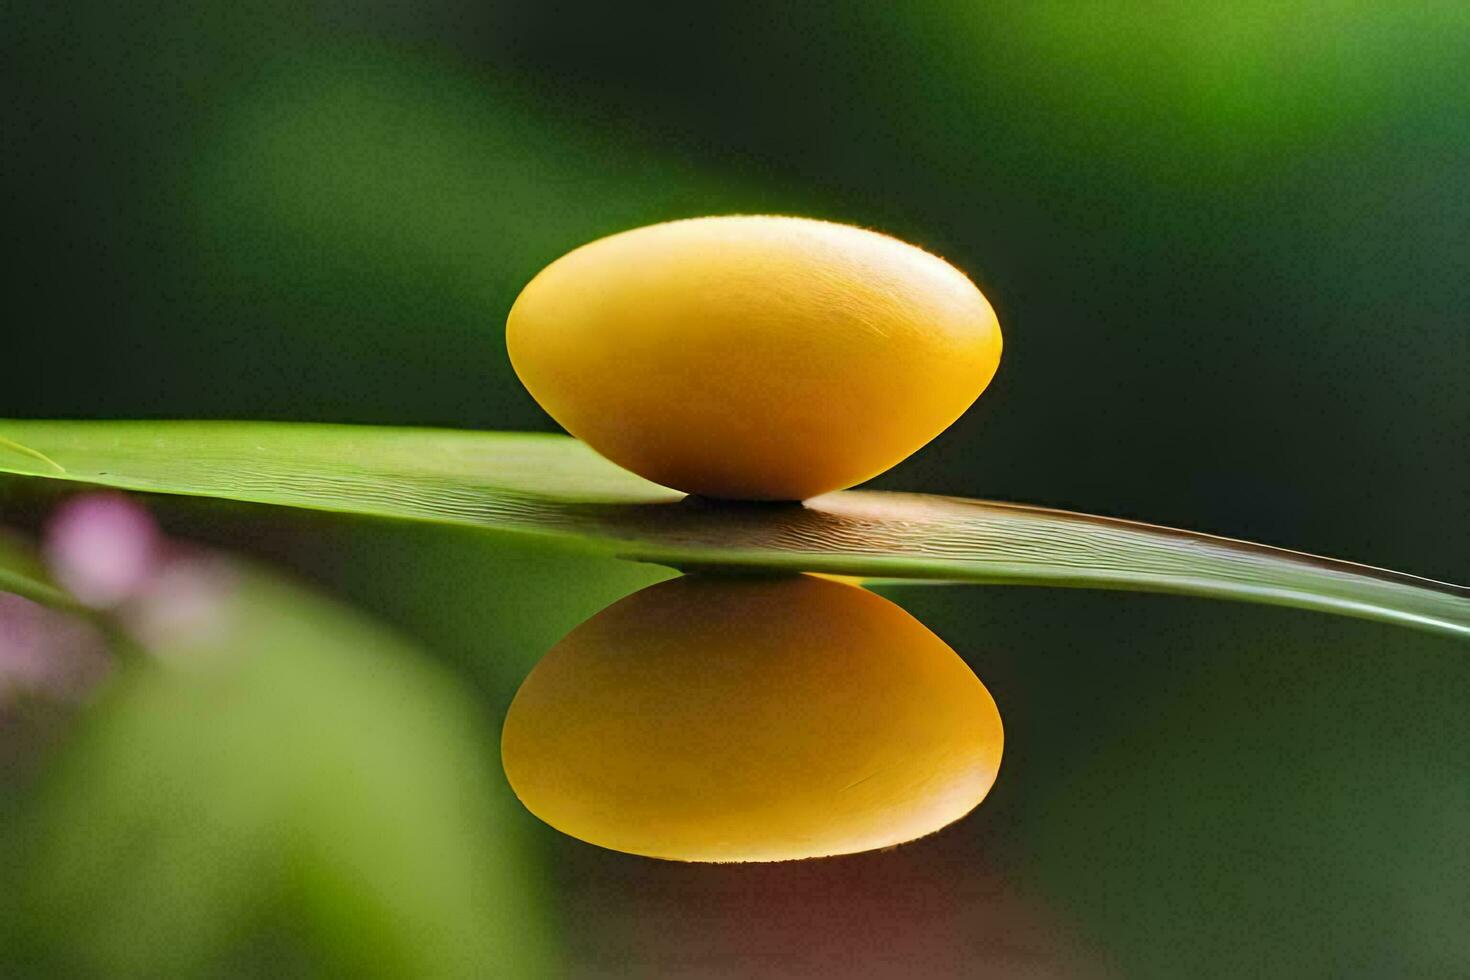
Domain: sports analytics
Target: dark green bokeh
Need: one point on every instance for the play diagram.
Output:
(1228, 248)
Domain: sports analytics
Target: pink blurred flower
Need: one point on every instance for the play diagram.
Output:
(185, 606)
(102, 548)
(47, 653)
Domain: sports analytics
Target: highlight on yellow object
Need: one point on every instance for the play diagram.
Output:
(759, 719)
(753, 357)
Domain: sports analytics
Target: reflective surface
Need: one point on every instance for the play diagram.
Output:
(719, 719)
(1190, 788)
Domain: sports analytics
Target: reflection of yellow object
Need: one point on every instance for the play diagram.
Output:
(751, 720)
(756, 358)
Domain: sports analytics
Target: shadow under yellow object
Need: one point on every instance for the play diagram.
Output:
(753, 357)
(707, 719)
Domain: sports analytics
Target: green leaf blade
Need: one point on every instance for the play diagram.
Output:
(21, 574)
(555, 486)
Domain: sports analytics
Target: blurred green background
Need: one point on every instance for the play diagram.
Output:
(1230, 249)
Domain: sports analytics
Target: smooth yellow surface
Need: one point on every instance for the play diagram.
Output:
(750, 357)
(707, 719)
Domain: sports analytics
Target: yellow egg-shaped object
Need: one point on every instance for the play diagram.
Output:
(753, 357)
(706, 719)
